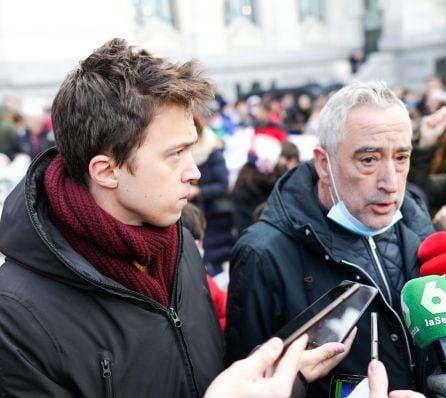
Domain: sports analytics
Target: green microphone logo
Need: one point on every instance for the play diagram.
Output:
(423, 303)
(434, 298)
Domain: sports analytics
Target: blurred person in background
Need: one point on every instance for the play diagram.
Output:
(428, 170)
(277, 112)
(429, 101)
(241, 116)
(297, 117)
(288, 102)
(220, 119)
(289, 157)
(211, 195)
(268, 159)
(311, 127)
(34, 137)
(268, 122)
(356, 59)
(8, 127)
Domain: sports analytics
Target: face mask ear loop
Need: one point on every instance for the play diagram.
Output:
(334, 198)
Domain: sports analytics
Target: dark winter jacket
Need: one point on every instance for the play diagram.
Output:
(68, 331)
(294, 254)
(217, 207)
(251, 190)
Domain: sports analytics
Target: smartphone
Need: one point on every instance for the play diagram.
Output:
(332, 316)
(342, 385)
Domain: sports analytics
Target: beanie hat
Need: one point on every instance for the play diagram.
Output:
(266, 147)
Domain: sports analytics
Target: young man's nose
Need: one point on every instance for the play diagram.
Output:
(191, 172)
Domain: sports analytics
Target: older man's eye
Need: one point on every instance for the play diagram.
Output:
(368, 160)
(402, 158)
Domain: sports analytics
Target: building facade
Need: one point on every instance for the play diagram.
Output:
(241, 43)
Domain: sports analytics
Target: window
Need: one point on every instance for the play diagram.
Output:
(239, 9)
(372, 26)
(146, 10)
(313, 9)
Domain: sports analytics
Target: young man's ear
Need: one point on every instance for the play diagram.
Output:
(321, 165)
(103, 171)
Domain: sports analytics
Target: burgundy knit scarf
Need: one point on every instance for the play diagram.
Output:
(108, 244)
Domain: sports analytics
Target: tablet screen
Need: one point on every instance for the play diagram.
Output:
(331, 317)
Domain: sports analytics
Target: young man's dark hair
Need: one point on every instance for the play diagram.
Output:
(105, 105)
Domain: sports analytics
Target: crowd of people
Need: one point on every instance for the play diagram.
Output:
(145, 186)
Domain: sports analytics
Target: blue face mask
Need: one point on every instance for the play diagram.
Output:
(342, 216)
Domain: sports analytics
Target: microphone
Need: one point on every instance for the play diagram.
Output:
(432, 254)
(423, 301)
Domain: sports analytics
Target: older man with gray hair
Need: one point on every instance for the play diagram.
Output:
(345, 215)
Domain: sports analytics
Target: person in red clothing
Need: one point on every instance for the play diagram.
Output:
(194, 220)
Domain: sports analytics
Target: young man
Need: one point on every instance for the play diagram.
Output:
(102, 294)
(343, 216)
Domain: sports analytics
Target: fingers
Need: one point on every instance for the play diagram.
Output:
(349, 340)
(264, 357)
(378, 381)
(405, 394)
(319, 361)
(290, 363)
(282, 381)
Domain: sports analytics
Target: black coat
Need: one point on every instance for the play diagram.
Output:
(68, 331)
(217, 208)
(294, 254)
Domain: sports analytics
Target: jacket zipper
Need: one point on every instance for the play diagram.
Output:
(372, 245)
(173, 315)
(106, 365)
(406, 339)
